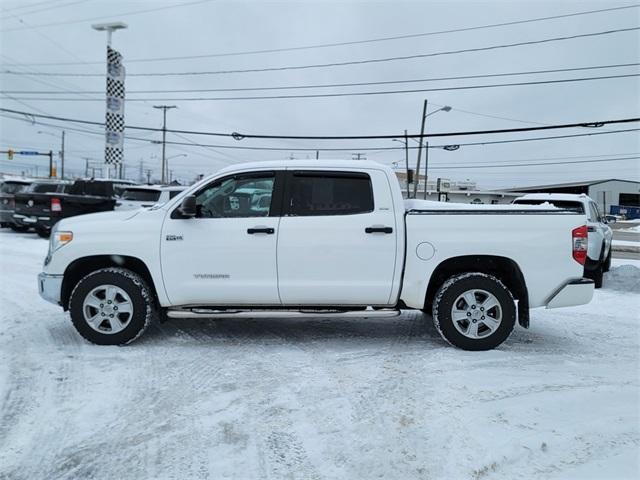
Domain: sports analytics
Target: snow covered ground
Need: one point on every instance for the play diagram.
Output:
(317, 399)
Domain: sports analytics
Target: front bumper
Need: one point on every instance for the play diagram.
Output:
(575, 292)
(50, 287)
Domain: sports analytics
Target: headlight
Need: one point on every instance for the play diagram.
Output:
(59, 239)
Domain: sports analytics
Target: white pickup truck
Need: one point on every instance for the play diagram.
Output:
(315, 238)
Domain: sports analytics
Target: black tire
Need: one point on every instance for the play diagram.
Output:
(142, 299)
(43, 232)
(607, 262)
(18, 228)
(451, 290)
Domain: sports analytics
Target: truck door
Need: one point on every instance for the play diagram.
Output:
(226, 255)
(337, 239)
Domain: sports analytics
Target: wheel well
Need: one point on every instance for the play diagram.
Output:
(83, 266)
(505, 269)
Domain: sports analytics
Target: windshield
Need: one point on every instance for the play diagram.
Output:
(12, 187)
(141, 195)
(564, 204)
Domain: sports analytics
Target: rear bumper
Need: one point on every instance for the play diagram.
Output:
(575, 292)
(50, 287)
(43, 221)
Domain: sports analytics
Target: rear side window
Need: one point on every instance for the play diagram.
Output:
(329, 193)
(11, 187)
(141, 195)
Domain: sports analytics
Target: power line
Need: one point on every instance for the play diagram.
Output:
(455, 167)
(20, 14)
(360, 42)
(288, 149)
(352, 62)
(324, 85)
(136, 12)
(29, 5)
(331, 95)
(240, 136)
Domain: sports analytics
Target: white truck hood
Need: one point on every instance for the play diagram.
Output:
(96, 218)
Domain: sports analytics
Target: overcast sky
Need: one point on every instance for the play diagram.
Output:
(28, 43)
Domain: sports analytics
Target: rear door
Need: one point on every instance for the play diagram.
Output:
(337, 240)
(596, 232)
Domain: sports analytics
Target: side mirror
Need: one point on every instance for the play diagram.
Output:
(610, 219)
(188, 207)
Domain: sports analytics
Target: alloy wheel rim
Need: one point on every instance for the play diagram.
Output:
(476, 313)
(107, 309)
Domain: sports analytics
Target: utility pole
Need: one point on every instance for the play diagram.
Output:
(141, 172)
(50, 163)
(415, 186)
(62, 157)
(148, 176)
(164, 108)
(406, 161)
(426, 167)
(86, 167)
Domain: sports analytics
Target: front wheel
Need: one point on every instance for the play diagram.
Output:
(111, 306)
(474, 311)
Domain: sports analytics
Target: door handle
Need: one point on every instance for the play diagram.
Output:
(377, 229)
(267, 230)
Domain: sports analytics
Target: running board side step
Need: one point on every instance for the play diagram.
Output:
(279, 313)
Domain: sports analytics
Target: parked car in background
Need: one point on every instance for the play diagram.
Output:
(336, 238)
(8, 190)
(599, 233)
(146, 196)
(79, 198)
(33, 205)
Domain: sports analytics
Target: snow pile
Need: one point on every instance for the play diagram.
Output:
(624, 277)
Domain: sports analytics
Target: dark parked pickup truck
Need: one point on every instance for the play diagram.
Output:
(35, 204)
(8, 189)
(80, 197)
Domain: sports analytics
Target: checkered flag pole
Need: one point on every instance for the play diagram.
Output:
(114, 121)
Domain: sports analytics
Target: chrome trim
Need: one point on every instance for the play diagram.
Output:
(50, 287)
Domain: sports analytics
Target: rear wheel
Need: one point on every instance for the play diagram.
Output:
(607, 262)
(43, 232)
(474, 311)
(112, 306)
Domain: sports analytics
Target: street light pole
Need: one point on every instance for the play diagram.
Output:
(424, 117)
(163, 176)
(406, 160)
(445, 108)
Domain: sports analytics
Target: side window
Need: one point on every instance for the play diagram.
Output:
(239, 196)
(593, 212)
(330, 193)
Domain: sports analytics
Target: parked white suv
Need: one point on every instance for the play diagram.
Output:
(315, 238)
(146, 196)
(600, 234)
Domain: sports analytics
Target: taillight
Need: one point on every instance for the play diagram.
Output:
(580, 242)
(56, 206)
